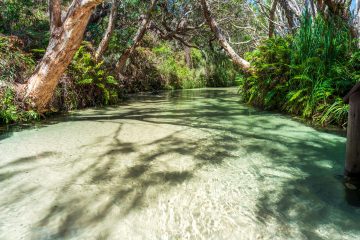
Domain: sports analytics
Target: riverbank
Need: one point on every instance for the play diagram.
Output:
(140, 96)
(154, 66)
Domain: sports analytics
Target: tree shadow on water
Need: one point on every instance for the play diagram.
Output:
(122, 178)
(303, 187)
(310, 197)
(115, 177)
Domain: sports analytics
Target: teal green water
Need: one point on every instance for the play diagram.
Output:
(194, 164)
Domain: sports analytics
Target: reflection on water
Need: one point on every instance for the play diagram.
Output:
(194, 164)
(352, 196)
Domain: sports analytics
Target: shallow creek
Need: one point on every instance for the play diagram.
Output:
(193, 164)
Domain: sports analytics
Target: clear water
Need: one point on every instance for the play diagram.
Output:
(194, 164)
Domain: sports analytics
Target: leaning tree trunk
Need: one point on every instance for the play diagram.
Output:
(66, 37)
(242, 63)
(120, 65)
(110, 29)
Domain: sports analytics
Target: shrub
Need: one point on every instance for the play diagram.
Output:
(95, 84)
(306, 74)
(15, 65)
(221, 72)
(163, 67)
(26, 19)
(10, 111)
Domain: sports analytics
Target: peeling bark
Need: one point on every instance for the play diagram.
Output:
(65, 40)
(120, 65)
(312, 6)
(109, 30)
(242, 63)
(357, 20)
(55, 14)
(188, 59)
(272, 18)
(340, 9)
(289, 14)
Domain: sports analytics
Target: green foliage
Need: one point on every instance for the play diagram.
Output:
(15, 65)
(172, 67)
(270, 80)
(26, 19)
(221, 72)
(334, 113)
(161, 66)
(216, 71)
(93, 77)
(10, 111)
(306, 74)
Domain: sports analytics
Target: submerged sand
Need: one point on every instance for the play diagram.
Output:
(194, 164)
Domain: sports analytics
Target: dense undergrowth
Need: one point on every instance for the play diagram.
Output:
(304, 74)
(155, 65)
(86, 83)
(15, 65)
(307, 74)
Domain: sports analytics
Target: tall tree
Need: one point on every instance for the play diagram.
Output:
(66, 37)
(357, 19)
(109, 30)
(312, 7)
(187, 54)
(272, 18)
(289, 14)
(137, 39)
(242, 63)
(340, 9)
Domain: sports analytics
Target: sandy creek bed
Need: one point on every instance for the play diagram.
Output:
(192, 164)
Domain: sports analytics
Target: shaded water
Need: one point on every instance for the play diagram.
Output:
(192, 164)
